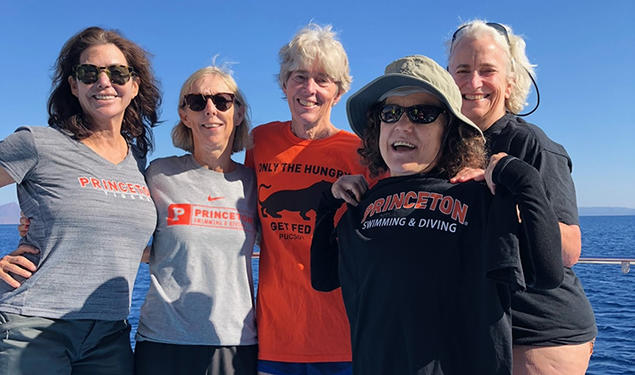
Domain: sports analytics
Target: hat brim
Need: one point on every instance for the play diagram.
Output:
(358, 103)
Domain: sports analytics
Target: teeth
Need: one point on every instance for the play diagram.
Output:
(210, 126)
(474, 97)
(403, 144)
(104, 97)
(306, 103)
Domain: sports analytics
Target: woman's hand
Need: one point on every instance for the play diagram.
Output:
(490, 169)
(468, 174)
(350, 188)
(15, 263)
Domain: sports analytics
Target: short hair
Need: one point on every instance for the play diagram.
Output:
(182, 135)
(140, 116)
(519, 67)
(313, 44)
(461, 146)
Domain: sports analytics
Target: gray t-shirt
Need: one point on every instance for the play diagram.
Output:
(90, 218)
(201, 287)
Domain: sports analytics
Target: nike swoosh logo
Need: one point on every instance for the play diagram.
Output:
(211, 199)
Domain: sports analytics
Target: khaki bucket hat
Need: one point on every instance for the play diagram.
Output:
(418, 71)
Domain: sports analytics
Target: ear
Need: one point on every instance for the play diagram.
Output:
(73, 83)
(337, 98)
(184, 119)
(135, 87)
(509, 87)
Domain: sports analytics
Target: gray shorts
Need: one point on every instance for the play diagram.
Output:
(171, 359)
(34, 345)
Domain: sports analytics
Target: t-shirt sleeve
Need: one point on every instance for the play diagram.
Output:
(555, 169)
(18, 154)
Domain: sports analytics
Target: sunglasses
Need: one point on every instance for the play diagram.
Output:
(197, 102)
(418, 114)
(497, 26)
(88, 73)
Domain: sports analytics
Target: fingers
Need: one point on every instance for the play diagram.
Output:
(350, 189)
(16, 265)
(468, 174)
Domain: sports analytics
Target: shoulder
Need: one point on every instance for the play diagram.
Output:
(522, 135)
(159, 165)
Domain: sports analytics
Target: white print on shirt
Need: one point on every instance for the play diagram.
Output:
(437, 224)
(208, 216)
(118, 188)
(420, 200)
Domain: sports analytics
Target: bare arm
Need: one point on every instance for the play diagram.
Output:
(5, 179)
(145, 258)
(571, 244)
(350, 188)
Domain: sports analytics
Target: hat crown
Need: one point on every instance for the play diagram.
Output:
(426, 69)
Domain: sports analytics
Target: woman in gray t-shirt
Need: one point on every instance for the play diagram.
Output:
(63, 308)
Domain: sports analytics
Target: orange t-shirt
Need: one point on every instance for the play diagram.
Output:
(295, 322)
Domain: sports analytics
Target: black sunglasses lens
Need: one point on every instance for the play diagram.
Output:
(423, 114)
(390, 113)
(196, 102)
(223, 101)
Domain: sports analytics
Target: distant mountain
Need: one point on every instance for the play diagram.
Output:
(10, 213)
(606, 211)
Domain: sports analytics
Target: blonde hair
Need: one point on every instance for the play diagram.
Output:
(182, 135)
(519, 67)
(313, 44)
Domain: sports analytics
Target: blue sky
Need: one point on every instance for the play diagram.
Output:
(585, 52)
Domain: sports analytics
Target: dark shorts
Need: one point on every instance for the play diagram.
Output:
(292, 368)
(171, 359)
(34, 345)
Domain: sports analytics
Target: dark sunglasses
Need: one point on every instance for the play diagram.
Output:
(497, 26)
(88, 73)
(418, 114)
(197, 102)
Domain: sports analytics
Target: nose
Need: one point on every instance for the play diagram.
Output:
(475, 79)
(310, 84)
(404, 123)
(210, 108)
(103, 80)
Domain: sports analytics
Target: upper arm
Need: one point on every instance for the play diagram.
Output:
(5, 178)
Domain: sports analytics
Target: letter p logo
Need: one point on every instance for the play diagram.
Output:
(179, 214)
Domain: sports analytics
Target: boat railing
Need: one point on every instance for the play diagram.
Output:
(624, 262)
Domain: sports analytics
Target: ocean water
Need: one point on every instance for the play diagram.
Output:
(611, 292)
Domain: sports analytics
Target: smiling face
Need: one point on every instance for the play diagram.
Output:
(409, 148)
(103, 102)
(480, 69)
(212, 129)
(311, 94)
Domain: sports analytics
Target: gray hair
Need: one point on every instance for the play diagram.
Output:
(313, 44)
(182, 135)
(519, 67)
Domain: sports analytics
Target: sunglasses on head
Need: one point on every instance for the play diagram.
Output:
(197, 102)
(418, 114)
(496, 26)
(88, 73)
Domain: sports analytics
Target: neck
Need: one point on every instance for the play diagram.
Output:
(215, 160)
(313, 131)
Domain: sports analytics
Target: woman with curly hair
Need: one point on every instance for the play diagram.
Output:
(426, 271)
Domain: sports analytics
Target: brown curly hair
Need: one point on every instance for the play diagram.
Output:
(140, 116)
(461, 147)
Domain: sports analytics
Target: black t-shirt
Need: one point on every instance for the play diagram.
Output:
(563, 315)
(426, 271)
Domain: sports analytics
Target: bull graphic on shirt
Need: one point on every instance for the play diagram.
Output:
(301, 201)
